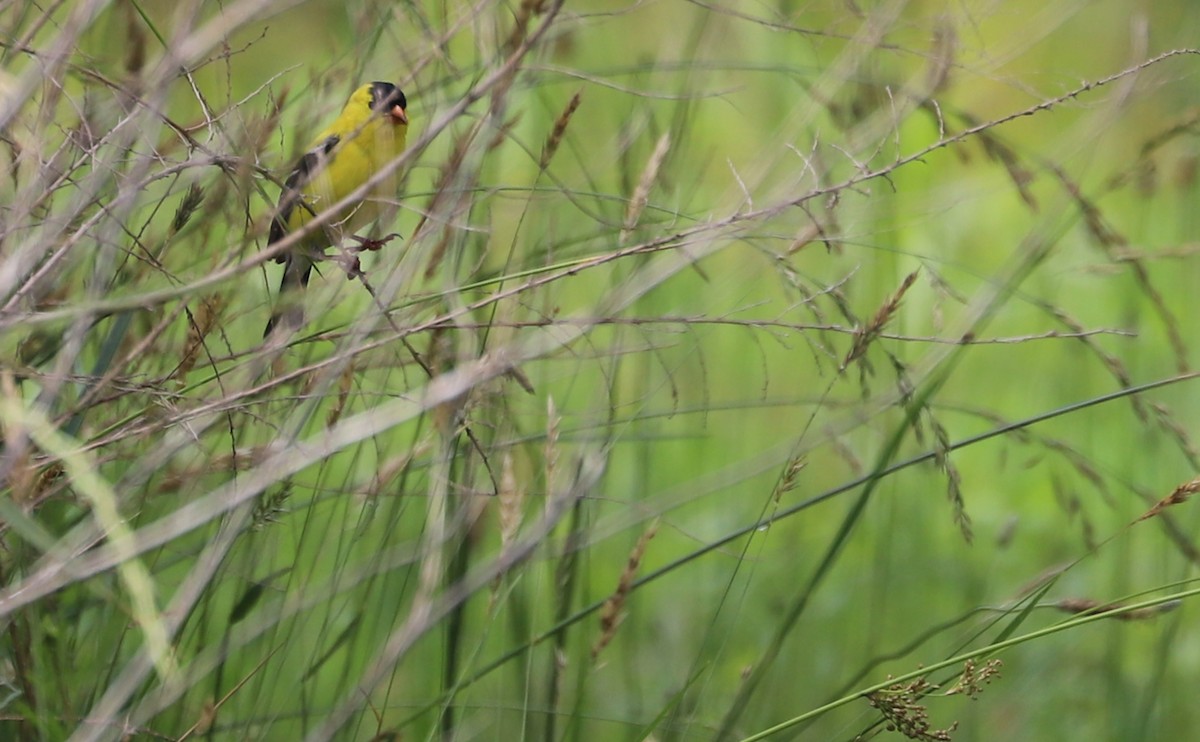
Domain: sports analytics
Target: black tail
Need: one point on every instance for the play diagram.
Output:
(289, 309)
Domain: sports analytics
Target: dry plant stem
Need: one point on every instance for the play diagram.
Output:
(392, 287)
(346, 430)
(422, 617)
(925, 380)
(103, 716)
(163, 697)
(55, 572)
(196, 423)
(182, 54)
(155, 298)
(130, 678)
(442, 389)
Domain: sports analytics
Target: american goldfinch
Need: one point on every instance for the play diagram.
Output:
(368, 134)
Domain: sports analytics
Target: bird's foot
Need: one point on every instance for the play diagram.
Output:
(348, 256)
(368, 244)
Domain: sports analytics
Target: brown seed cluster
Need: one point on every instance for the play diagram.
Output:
(903, 712)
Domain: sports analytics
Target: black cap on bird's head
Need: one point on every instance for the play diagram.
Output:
(389, 99)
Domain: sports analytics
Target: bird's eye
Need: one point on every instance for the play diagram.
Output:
(385, 95)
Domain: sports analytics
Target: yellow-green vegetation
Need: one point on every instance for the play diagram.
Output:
(743, 371)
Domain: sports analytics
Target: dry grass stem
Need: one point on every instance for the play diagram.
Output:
(616, 309)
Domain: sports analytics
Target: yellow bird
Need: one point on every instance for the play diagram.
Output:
(370, 132)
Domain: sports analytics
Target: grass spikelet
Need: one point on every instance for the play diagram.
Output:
(503, 132)
(1087, 607)
(1020, 175)
(974, 677)
(1177, 430)
(187, 207)
(1178, 496)
(388, 472)
(526, 12)
(844, 452)
(512, 501)
(203, 320)
(1110, 361)
(641, 193)
(809, 232)
(560, 128)
(510, 496)
(864, 336)
(791, 476)
(953, 479)
(1114, 243)
(271, 508)
(612, 613)
(902, 710)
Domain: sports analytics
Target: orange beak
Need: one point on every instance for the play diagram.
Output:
(399, 115)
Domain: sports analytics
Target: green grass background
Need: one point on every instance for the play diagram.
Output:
(682, 394)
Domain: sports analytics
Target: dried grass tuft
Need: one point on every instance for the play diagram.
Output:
(559, 130)
(866, 335)
(1178, 496)
(641, 193)
(512, 501)
(204, 320)
(613, 612)
(902, 710)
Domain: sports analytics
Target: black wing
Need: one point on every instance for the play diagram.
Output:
(310, 164)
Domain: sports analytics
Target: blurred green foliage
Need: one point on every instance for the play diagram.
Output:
(726, 219)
